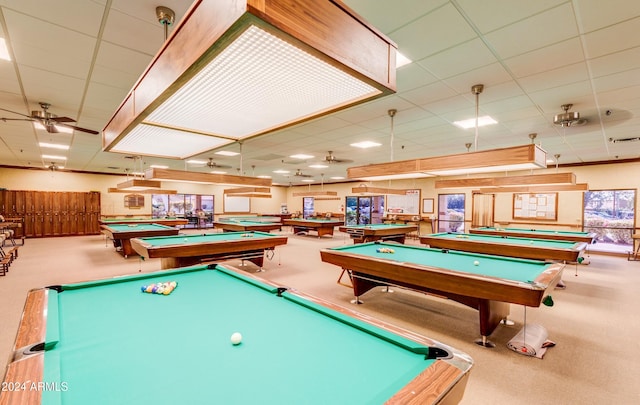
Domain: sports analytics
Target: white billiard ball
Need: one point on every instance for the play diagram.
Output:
(476, 263)
(236, 338)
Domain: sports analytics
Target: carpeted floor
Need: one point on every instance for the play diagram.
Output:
(594, 321)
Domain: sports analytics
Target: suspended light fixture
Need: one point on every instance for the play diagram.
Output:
(495, 160)
(259, 192)
(233, 69)
(321, 193)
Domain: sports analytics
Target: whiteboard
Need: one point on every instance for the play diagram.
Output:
(408, 203)
(234, 204)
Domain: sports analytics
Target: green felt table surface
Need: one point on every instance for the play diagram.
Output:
(379, 226)
(137, 227)
(246, 222)
(519, 270)
(510, 240)
(314, 220)
(206, 238)
(118, 345)
(253, 218)
(536, 231)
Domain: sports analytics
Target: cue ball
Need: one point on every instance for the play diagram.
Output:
(476, 263)
(236, 338)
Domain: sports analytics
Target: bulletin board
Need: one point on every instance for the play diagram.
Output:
(408, 203)
(542, 206)
(235, 204)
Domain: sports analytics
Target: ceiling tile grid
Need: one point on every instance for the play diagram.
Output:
(83, 56)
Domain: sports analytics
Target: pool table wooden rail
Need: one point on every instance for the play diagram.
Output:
(588, 238)
(490, 296)
(187, 254)
(321, 227)
(501, 247)
(363, 234)
(24, 364)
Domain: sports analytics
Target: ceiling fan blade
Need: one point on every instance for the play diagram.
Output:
(13, 112)
(15, 119)
(61, 119)
(88, 131)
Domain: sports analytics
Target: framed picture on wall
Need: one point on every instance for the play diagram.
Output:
(427, 205)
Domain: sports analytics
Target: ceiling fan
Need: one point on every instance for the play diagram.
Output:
(330, 158)
(299, 173)
(568, 118)
(213, 165)
(48, 121)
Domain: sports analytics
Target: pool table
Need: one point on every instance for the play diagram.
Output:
(121, 234)
(161, 221)
(106, 342)
(526, 248)
(586, 237)
(320, 226)
(488, 286)
(373, 232)
(246, 225)
(187, 250)
(254, 218)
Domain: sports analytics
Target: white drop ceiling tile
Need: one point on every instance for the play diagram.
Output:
(616, 62)
(563, 94)
(497, 92)
(71, 55)
(628, 97)
(618, 80)
(110, 70)
(84, 16)
(27, 55)
(557, 77)
(545, 59)
(518, 106)
(595, 14)
(549, 27)
(412, 76)
(451, 109)
(613, 39)
(456, 60)
(441, 29)
(429, 93)
(99, 104)
(59, 89)
(521, 109)
(8, 80)
(488, 16)
(490, 75)
(131, 32)
(388, 16)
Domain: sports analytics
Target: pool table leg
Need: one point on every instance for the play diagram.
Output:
(492, 313)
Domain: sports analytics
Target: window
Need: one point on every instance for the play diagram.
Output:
(451, 212)
(610, 214)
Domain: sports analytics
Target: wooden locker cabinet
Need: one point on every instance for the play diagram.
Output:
(53, 213)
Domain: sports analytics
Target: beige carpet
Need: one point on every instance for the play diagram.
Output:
(594, 321)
